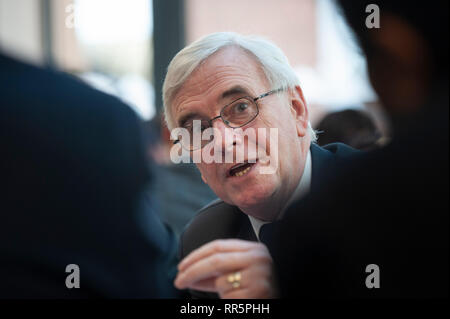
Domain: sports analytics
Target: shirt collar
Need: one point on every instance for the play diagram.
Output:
(302, 189)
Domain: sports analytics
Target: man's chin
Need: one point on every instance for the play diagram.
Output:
(251, 202)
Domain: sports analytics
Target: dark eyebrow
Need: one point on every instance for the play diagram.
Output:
(234, 91)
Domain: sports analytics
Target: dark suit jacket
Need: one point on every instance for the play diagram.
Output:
(73, 173)
(388, 208)
(219, 220)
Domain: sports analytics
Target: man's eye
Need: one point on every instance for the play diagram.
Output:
(191, 126)
(240, 107)
(188, 124)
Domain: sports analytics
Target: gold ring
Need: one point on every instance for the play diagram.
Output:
(235, 279)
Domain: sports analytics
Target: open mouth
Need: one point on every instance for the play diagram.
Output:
(240, 169)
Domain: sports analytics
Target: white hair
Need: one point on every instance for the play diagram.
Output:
(274, 63)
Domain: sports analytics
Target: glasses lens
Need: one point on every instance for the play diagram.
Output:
(196, 130)
(240, 112)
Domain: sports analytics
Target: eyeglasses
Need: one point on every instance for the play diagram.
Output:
(236, 114)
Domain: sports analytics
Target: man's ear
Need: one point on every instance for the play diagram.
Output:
(299, 110)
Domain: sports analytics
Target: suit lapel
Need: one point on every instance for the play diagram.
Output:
(322, 161)
(245, 231)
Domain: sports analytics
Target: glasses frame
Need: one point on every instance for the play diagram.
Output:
(227, 123)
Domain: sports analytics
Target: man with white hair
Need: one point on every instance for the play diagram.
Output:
(232, 84)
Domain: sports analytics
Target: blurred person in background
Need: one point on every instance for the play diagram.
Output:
(74, 175)
(381, 230)
(352, 127)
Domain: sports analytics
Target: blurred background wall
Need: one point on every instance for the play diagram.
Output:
(20, 33)
(112, 44)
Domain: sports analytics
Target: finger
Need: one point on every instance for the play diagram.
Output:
(257, 279)
(216, 246)
(214, 266)
(211, 267)
(262, 289)
(224, 286)
(207, 285)
(237, 294)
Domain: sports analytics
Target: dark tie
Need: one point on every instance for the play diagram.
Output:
(266, 233)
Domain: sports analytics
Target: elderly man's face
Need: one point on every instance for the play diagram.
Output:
(227, 75)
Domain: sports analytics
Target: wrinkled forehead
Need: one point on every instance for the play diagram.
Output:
(221, 71)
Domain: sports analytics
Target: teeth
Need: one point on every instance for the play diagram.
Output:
(243, 172)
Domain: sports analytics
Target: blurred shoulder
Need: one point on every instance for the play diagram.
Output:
(25, 85)
(215, 221)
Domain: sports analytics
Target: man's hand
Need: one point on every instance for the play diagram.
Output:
(230, 267)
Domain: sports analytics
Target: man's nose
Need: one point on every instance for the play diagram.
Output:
(225, 138)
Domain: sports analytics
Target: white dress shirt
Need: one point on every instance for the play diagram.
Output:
(302, 189)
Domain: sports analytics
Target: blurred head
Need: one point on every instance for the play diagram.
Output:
(408, 54)
(221, 68)
(352, 127)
